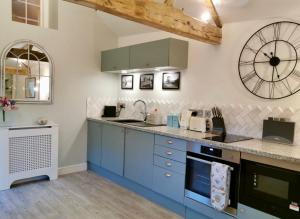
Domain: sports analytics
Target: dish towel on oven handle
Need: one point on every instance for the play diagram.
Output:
(220, 185)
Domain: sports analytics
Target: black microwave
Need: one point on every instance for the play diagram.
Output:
(270, 189)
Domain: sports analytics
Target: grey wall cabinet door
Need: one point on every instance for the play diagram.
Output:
(139, 157)
(113, 148)
(94, 143)
(115, 59)
(149, 55)
(161, 53)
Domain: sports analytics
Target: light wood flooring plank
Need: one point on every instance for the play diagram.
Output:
(81, 195)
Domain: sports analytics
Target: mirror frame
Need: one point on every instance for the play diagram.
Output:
(51, 70)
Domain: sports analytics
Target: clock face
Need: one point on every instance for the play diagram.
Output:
(269, 64)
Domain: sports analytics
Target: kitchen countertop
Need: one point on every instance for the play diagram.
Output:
(253, 146)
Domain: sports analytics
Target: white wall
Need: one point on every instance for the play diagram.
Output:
(212, 76)
(75, 48)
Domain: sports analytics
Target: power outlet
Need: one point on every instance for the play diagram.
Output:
(207, 113)
(122, 105)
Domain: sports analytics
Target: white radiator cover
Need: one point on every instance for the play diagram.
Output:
(26, 152)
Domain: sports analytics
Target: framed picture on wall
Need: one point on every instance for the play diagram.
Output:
(127, 82)
(30, 84)
(147, 81)
(171, 81)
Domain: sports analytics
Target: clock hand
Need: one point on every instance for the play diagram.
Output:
(267, 55)
(275, 50)
(273, 73)
(277, 72)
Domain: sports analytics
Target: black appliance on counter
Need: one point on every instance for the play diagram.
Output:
(110, 111)
(279, 131)
(270, 189)
(198, 168)
(227, 138)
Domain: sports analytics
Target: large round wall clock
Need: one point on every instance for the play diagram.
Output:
(269, 64)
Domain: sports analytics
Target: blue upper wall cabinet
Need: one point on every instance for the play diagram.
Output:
(139, 157)
(167, 54)
(113, 148)
(94, 143)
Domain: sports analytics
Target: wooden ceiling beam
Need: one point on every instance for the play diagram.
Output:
(169, 3)
(158, 15)
(213, 11)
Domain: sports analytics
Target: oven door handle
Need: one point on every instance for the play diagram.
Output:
(198, 159)
(204, 161)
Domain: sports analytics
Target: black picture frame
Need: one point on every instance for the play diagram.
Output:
(171, 81)
(147, 81)
(127, 82)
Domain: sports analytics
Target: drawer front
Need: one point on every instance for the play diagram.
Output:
(175, 143)
(169, 184)
(170, 165)
(170, 153)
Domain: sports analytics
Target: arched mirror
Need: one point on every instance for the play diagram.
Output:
(27, 73)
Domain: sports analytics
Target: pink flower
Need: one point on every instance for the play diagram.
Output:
(7, 105)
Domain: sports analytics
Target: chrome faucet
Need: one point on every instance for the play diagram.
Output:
(145, 108)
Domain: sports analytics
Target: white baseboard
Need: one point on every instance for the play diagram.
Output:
(72, 169)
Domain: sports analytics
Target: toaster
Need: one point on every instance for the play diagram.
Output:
(198, 124)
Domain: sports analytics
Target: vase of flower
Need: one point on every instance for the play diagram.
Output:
(6, 105)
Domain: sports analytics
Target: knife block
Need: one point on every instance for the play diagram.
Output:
(218, 126)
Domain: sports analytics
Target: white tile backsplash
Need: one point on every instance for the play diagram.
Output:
(239, 119)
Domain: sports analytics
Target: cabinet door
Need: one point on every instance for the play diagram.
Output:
(94, 143)
(115, 59)
(113, 148)
(169, 184)
(245, 212)
(150, 55)
(190, 214)
(139, 157)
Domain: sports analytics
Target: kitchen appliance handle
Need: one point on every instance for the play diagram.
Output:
(204, 161)
(200, 160)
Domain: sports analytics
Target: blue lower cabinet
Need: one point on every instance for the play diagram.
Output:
(206, 211)
(190, 214)
(113, 148)
(245, 212)
(169, 184)
(94, 143)
(138, 165)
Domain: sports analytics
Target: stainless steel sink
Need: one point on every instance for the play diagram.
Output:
(134, 122)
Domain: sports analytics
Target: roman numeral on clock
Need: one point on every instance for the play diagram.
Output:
(258, 85)
(261, 38)
(254, 51)
(277, 27)
(249, 76)
(271, 89)
(286, 84)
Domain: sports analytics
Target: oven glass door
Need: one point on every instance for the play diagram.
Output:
(198, 177)
(270, 189)
(197, 185)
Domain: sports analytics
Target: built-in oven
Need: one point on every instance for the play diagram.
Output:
(198, 169)
(270, 189)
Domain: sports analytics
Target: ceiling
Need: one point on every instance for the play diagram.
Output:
(229, 11)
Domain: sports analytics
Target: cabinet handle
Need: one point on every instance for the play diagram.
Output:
(168, 174)
(169, 153)
(168, 164)
(170, 142)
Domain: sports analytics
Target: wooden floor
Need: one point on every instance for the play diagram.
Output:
(77, 196)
